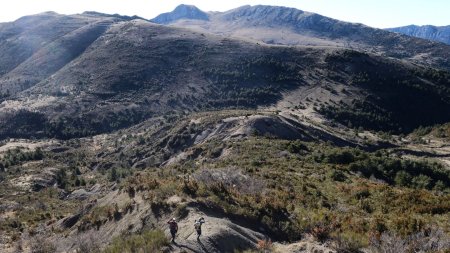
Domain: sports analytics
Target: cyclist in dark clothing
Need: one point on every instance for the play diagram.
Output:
(198, 227)
(173, 228)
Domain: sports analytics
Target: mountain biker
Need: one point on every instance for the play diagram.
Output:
(173, 226)
(198, 226)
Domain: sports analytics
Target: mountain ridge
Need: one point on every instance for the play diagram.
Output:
(429, 32)
(293, 27)
(130, 71)
(32, 43)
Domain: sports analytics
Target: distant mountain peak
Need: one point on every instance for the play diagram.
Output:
(49, 13)
(186, 6)
(429, 32)
(182, 11)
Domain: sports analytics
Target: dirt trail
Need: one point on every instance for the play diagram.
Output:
(219, 234)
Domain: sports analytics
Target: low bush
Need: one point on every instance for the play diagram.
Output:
(349, 243)
(41, 245)
(427, 240)
(147, 242)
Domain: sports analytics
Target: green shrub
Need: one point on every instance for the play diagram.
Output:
(402, 178)
(296, 147)
(337, 175)
(113, 175)
(147, 242)
(349, 242)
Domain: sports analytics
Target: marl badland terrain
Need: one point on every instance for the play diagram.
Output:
(288, 131)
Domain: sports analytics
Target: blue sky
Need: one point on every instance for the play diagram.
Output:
(376, 13)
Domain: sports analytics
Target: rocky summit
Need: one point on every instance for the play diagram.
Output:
(181, 12)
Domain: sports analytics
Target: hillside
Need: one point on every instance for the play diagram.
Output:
(35, 47)
(289, 26)
(112, 125)
(240, 171)
(151, 70)
(429, 32)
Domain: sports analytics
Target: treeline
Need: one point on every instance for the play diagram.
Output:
(27, 124)
(362, 114)
(251, 82)
(22, 124)
(419, 174)
(244, 98)
(439, 131)
(398, 99)
(17, 156)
